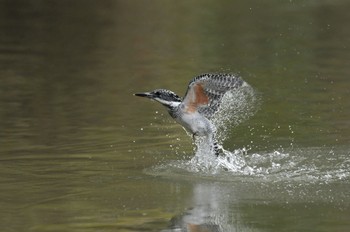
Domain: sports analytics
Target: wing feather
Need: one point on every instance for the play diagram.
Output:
(205, 92)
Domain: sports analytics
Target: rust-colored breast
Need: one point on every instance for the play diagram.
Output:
(199, 98)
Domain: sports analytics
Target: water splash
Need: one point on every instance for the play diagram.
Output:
(310, 165)
(302, 164)
(237, 106)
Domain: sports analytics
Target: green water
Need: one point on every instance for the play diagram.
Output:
(78, 152)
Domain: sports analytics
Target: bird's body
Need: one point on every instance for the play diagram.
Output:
(201, 102)
(195, 123)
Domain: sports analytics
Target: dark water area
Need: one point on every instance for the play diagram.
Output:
(78, 152)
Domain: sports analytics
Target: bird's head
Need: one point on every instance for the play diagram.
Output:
(164, 96)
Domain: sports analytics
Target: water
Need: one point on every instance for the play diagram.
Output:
(296, 165)
(79, 153)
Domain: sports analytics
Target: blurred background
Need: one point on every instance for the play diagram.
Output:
(74, 141)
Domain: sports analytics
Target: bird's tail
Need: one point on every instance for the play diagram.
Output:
(208, 143)
(217, 148)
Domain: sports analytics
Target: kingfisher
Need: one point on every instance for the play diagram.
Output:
(202, 100)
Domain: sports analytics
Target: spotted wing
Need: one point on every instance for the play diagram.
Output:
(205, 92)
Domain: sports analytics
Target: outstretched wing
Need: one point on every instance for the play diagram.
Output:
(205, 92)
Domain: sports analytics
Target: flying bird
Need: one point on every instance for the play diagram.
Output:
(200, 103)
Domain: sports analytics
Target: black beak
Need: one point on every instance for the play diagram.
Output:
(148, 95)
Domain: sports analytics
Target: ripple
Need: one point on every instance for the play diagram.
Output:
(303, 164)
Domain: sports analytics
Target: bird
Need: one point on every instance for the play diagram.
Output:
(200, 103)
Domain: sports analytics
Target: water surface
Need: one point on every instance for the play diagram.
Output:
(80, 153)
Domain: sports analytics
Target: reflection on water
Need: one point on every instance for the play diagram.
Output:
(74, 142)
(226, 207)
(210, 211)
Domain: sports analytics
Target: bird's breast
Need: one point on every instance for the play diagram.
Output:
(195, 123)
